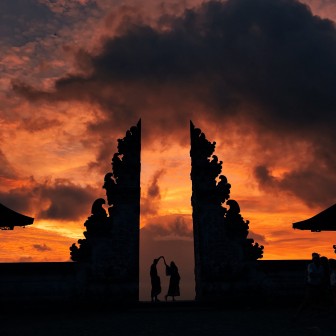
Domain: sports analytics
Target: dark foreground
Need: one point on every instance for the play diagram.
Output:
(180, 318)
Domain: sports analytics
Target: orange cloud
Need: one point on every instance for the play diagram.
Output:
(267, 104)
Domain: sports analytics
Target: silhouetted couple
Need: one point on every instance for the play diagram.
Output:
(174, 282)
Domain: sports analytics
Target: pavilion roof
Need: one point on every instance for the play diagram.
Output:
(323, 221)
(10, 218)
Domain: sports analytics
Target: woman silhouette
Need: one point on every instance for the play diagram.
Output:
(174, 282)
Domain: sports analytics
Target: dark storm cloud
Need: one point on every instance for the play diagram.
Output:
(65, 200)
(68, 201)
(6, 169)
(22, 21)
(154, 189)
(271, 63)
(18, 199)
(150, 202)
(171, 227)
(39, 124)
(41, 248)
(275, 54)
(313, 186)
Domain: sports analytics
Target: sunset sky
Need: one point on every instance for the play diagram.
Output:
(258, 77)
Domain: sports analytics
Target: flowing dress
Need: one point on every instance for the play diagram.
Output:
(174, 282)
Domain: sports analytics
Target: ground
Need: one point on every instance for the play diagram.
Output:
(165, 319)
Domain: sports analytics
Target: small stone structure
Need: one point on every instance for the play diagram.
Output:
(109, 254)
(224, 256)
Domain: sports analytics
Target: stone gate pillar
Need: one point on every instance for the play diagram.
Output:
(111, 247)
(224, 256)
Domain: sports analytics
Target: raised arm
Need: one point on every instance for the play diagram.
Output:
(164, 260)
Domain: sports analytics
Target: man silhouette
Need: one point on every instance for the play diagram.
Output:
(155, 281)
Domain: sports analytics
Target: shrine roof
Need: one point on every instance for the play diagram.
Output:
(10, 218)
(323, 221)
